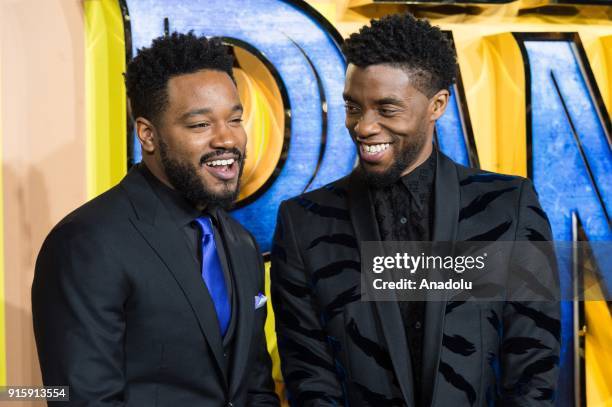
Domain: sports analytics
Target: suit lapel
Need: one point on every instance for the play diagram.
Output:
(242, 273)
(364, 222)
(446, 215)
(168, 241)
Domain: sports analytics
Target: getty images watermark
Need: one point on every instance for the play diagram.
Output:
(420, 263)
(485, 271)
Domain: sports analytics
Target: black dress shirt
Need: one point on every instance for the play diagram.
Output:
(404, 212)
(184, 214)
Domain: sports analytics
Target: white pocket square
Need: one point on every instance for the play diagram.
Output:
(260, 300)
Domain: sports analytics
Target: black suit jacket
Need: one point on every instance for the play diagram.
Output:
(121, 317)
(338, 350)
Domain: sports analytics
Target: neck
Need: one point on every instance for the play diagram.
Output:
(421, 158)
(156, 169)
(160, 175)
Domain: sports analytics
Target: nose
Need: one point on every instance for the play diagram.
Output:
(225, 137)
(367, 125)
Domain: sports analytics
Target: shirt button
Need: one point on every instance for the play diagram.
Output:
(417, 325)
(403, 220)
(230, 404)
(224, 354)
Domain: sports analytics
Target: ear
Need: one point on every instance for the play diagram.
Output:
(145, 130)
(438, 104)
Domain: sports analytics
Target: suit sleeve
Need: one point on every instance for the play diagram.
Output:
(261, 385)
(77, 305)
(531, 340)
(306, 359)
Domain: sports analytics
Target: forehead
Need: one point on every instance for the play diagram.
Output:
(378, 81)
(206, 88)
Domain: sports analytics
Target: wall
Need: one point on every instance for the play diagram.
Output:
(43, 151)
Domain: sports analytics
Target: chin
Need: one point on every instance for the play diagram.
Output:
(379, 176)
(376, 169)
(226, 193)
(217, 185)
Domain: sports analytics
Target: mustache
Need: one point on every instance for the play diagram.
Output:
(238, 155)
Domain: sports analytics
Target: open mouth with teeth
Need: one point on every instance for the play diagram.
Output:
(224, 169)
(373, 153)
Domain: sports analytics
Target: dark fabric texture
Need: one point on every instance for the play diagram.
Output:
(404, 212)
(338, 350)
(183, 214)
(122, 316)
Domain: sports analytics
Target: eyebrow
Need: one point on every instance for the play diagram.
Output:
(383, 101)
(208, 110)
(390, 101)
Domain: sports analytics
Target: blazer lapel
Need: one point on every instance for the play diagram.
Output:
(446, 215)
(364, 222)
(167, 240)
(242, 273)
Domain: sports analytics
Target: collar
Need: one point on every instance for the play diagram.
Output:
(181, 210)
(423, 176)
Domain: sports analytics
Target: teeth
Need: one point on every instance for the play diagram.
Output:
(217, 163)
(375, 148)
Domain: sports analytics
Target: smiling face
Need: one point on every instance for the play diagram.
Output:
(390, 121)
(198, 145)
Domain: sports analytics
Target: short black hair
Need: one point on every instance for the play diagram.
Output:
(404, 41)
(148, 73)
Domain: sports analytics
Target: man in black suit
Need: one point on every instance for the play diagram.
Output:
(150, 294)
(338, 350)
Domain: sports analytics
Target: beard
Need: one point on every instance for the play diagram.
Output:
(402, 159)
(184, 178)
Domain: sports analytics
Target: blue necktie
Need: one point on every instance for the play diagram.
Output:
(212, 274)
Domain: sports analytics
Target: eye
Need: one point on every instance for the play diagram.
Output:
(199, 125)
(351, 109)
(237, 120)
(387, 112)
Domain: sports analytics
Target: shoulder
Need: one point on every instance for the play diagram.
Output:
(474, 182)
(330, 199)
(88, 237)
(478, 178)
(511, 196)
(96, 218)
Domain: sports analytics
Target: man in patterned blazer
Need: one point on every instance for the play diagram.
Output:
(338, 350)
